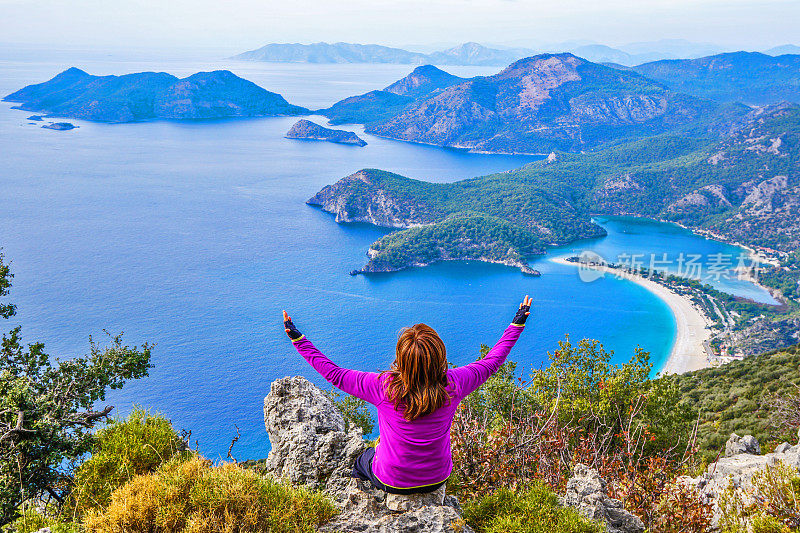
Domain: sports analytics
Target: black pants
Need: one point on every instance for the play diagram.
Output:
(362, 469)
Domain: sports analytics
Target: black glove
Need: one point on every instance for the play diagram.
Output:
(290, 328)
(522, 312)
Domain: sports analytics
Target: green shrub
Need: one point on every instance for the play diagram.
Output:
(354, 410)
(741, 397)
(123, 449)
(534, 509)
(31, 520)
(768, 524)
(193, 496)
(773, 506)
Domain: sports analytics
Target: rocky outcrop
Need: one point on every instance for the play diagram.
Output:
(586, 492)
(305, 129)
(737, 468)
(737, 445)
(311, 446)
(151, 95)
(310, 443)
(710, 196)
(368, 510)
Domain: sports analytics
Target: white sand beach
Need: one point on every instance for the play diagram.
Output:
(689, 351)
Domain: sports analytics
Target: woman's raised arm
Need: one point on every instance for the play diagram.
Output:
(470, 377)
(364, 385)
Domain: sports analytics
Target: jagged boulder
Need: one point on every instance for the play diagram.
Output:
(586, 492)
(736, 470)
(312, 446)
(737, 445)
(310, 443)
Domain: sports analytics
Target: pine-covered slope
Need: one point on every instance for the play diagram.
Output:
(537, 104)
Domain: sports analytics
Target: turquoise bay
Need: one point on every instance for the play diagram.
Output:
(195, 236)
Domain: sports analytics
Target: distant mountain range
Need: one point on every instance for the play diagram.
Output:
(476, 54)
(749, 77)
(538, 104)
(150, 95)
(783, 49)
(332, 53)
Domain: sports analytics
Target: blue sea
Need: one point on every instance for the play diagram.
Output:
(195, 235)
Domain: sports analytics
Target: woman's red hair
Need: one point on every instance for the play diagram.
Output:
(417, 381)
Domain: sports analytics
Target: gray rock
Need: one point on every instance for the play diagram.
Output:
(737, 445)
(412, 502)
(783, 448)
(309, 443)
(311, 446)
(365, 509)
(586, 492)
(736, 471)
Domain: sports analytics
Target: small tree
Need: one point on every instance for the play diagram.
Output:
(46, 408)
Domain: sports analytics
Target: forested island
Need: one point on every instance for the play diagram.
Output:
(305, 129)
(151, 95)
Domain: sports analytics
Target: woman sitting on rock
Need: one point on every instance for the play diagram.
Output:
(416, 400)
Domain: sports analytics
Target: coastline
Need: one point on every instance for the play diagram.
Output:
(688, 351)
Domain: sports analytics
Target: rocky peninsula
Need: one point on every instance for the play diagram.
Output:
(305, 129)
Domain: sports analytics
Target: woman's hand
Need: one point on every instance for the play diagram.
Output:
(290, 328)
(523, 311)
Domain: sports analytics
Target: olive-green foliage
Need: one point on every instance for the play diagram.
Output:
(31, 520)
(463, 236)
(772, 505)
(123, 449)
(193, 496)
(46, 408)
(500, 396)
(354, 410)
(585, 386)
(533, 509)
(729, 398)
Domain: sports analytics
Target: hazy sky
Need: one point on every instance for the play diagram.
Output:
(244, 24)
